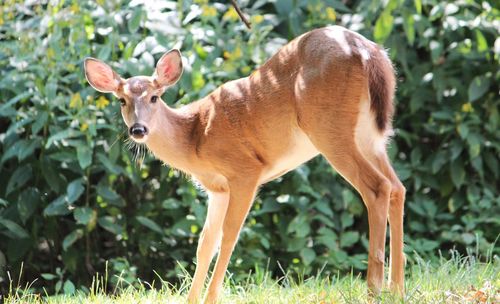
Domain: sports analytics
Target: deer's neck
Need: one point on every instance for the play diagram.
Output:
(171, 141)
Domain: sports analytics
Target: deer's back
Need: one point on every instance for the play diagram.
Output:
(264, 117)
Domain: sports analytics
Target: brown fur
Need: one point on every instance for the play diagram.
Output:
(309, 98)
(381, 83)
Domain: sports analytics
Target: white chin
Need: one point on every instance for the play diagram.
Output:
(139, 140)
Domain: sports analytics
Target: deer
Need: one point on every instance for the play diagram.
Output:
(329, 91)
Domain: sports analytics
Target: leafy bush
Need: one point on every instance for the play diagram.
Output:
(72, 195)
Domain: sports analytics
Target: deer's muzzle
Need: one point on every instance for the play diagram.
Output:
(138, 131)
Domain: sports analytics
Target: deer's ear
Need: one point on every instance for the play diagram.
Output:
(100, 76)
(169, 68)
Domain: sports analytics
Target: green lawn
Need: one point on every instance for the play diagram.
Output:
(460, 280)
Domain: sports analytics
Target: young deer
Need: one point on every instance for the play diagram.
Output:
(327, 92)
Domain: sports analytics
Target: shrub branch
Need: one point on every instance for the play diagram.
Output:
(240, 13)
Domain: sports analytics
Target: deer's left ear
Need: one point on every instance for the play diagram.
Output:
(169, 68)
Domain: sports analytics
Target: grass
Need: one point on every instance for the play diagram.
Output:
(459, 280)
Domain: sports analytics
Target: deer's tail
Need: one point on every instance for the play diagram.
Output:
(382, 84)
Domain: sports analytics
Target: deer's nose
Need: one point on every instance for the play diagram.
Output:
(138, 131)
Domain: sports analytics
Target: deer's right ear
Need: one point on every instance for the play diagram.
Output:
(100, 76)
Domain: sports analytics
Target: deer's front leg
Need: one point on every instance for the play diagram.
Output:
(209, 241)
(241, 197)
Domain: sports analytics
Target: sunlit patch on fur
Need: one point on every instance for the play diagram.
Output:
(337, 33)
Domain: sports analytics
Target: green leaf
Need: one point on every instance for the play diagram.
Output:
(436, 50)
(64, 134)
(438, 161)
(50, 175)
(104, 52)
(135, 20)
(349, 238)
(40, 121)
(283, 7)
(3, 202)
(182, 228)
(474, 145)
(328, 238)
(456, 148)
(308, 255)
(468, 238)
(16, 230)
(457, 173)
(409, 27)
(436, 12)
(383, 26)
(149, 223)
(418, 6)
(112, 168)
(346, 219)
(392, 5)
(110, 195)
(492, 163)
(482, 44)
(58, 286)
(71, 238)
(13, 150)
(74, 190)
(463, 130)
(4, 107)
(48, 276)
(324, 206)
(83, 215)
(27, 203)
(59, 206)
(108, 223)
(300, 226)
(69, 287)
(19, 178)
(22, 149)
(84, 155)
(478, 87)
(29, 149)
(18, 125)
(477, 163)
(197, 80)
(295, 244)
(269, 205)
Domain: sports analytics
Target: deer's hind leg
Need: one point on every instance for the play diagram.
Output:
(332, 131)
(375, 189)
(372, 145)
(396, 212)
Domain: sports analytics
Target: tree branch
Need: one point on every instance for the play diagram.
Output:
(240, 13)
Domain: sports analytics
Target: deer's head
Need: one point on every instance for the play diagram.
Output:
(140, 96)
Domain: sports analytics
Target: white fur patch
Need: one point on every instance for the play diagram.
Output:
(300, 151)
(366, 135)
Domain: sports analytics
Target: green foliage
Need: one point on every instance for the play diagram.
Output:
(72, 196)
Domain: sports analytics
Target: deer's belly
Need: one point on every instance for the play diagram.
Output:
(299, 151)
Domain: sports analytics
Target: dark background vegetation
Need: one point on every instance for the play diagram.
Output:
(73, 200)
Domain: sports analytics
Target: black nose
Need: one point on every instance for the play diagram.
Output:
(138, 130)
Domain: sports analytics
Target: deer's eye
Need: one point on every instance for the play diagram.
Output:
(154, 99)
(122, 102)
